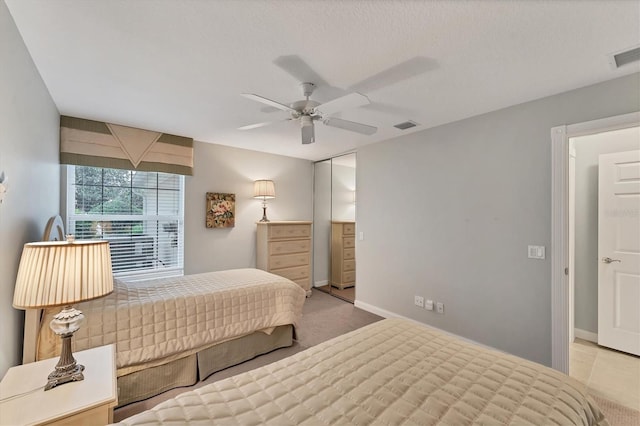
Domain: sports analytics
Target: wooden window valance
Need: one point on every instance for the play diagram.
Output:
(94, 143)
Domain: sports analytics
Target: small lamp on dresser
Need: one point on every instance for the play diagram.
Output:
(264, 189)
(61, 273)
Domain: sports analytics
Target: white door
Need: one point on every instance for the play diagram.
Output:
(619, 251)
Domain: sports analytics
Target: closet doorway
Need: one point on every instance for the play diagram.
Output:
(334, 226)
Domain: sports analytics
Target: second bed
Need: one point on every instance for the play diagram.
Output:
(170, 332)
(391, 372)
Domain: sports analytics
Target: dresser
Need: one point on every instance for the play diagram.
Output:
(284, 248)
(343, 254)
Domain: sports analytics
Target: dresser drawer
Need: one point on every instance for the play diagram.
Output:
(349, 265)
(349, 242)
(349, 254)
(349, 276)
(287, 247)
(289, 231)
(288, 260)
(297, 273)
(349, 229)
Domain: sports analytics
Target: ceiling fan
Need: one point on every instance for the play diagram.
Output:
(307, 111)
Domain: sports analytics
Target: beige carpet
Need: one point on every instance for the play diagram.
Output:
(616, 414)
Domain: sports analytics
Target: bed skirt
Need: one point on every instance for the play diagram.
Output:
(187, 371)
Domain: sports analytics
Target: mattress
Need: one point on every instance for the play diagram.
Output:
(391, 372)
(156, 321)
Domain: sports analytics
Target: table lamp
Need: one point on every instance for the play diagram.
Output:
(61, 273)
(264, 189)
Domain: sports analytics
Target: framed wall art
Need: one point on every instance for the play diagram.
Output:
(221, 210)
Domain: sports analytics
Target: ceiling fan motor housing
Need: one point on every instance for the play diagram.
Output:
(306, 107)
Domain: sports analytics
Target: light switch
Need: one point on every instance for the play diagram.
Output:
(361, 236)
(536, 252)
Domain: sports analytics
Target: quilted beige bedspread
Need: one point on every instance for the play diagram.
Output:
(156, 319)
(392, 372)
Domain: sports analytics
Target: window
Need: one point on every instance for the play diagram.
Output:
(141, 214)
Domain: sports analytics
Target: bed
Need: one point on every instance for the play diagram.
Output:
(390, 372)
(171, 332)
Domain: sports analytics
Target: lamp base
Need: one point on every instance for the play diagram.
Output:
(64, 324)
(264, 214)
(71, 373)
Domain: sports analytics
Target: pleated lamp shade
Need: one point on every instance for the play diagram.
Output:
(59, 273)
(264, 189)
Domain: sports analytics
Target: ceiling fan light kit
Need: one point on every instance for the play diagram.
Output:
(308, 133)
(308, 111)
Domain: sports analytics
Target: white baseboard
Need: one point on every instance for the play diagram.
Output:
(586, 335)
(388, 314)
(381, 312)
(320, 283)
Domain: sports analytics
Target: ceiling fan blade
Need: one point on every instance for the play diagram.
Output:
(352, 100)
(395, 74)
(266, 101)
(350, 125)
(299, 69)
(296, 67)
(265, 123)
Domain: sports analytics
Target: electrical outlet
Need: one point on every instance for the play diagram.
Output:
(418, 301)
(428, 305)
(440, 307)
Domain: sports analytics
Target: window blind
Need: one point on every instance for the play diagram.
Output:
(141, 214)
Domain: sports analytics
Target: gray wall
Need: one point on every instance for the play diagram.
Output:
(448, 213)
(220, 168)
(29, 123)
(588, 149)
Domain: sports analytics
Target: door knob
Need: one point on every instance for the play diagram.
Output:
(610, 260)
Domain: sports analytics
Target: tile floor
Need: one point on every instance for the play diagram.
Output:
(611, 374)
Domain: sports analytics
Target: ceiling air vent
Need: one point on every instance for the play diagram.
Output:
(406, 125)
(625, 57)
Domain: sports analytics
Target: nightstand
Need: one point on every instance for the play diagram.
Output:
(89, 401)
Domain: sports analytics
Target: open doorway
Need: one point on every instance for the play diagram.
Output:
(582, 154)
(610, 372)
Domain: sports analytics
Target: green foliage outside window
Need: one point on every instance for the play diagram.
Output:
(109, 192)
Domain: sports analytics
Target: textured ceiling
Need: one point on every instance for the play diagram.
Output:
(179, 66)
